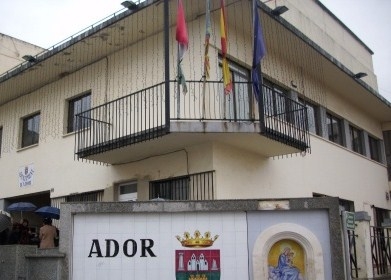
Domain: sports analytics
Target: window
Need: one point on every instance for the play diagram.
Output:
(312, 116)
(30, 130)
(381, 215)
(356, 137)
(334, 128)
(172, 189)
(274, 100)
(127, 192)
(76, 106)
(374, 148)
(1, 138)
(238, 104)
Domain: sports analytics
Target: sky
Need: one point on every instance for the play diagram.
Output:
(48, 22)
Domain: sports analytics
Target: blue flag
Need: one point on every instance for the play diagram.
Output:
(259, 50)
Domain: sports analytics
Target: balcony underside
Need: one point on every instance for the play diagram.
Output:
(245, 136)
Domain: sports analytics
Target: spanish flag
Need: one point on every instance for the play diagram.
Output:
(207, 37)
(223, 33)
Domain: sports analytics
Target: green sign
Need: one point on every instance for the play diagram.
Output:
(350, 221)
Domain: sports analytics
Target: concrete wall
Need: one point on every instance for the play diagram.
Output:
(12, 51)
(162, 221)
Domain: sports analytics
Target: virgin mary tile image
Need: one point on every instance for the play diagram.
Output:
(286, 261)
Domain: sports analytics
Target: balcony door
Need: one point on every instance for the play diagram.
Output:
(238, 104)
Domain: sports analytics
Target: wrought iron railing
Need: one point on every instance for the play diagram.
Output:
(381, 250)
(285, 120)
(353, 253)
(143, 115)
(197, 186)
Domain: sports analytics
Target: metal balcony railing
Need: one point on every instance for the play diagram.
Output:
(142, 116)
(197, 186)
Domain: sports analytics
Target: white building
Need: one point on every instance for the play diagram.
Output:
(140, 138)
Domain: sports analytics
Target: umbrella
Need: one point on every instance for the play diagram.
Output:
(21, 206)
(5, 220)
(49, 212)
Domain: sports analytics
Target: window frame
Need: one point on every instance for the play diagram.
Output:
(85, 105)
(234, 108)
(28, 139)
(356, 139)
(374, 148)
(277, 96)
(132, 187)
(313, 118)
(330, 120)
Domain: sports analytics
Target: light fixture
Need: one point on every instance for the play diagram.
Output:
(279, 10)
(360, 75)
(29, 58)
(130, 5)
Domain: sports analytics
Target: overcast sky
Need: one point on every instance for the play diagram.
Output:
(47, 22)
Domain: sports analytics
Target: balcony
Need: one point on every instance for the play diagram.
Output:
(151, 121)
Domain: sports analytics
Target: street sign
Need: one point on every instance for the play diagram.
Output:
(350, 221)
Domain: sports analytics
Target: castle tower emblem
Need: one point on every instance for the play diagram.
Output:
(198, 263)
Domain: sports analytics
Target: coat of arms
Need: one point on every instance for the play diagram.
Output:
(198, 263)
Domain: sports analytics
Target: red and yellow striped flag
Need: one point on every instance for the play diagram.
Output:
(207, 37)
(223, 33)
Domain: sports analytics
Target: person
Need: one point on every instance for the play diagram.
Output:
(25, 234)
(47, 234)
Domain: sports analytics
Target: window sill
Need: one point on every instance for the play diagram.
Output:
(27, 147)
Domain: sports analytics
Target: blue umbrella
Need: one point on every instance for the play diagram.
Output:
(49, 212)
(21, 206)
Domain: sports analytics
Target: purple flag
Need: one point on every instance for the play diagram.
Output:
(259, 50)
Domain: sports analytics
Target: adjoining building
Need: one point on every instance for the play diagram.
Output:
(13, 52)
(106, 117)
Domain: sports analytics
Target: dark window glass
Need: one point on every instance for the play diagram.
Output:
(172, 189)
(128, 188)
(334, 127)
(77, 106)
(356, 138)
(374, 148)
(312, 116)
(30, 131)
(274, 100)
(381, 215)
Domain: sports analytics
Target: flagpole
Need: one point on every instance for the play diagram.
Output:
(259, 52)
(167, 64)
(178, 100)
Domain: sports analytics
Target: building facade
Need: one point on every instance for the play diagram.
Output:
(103, 118)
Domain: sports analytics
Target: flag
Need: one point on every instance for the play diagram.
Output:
(207, 37)
(183, 43)
(223, 33)
(259, 51)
